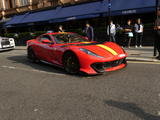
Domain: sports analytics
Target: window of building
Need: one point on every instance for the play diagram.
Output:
(23, 2)
(1, 5)
(10, 4)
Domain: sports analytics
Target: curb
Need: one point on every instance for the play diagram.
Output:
(142, 59)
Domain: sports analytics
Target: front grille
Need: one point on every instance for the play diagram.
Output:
(116, 62)
(5, 42)
(101, 67)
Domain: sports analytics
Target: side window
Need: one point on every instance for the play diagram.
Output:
(45, 37)
(61, 38)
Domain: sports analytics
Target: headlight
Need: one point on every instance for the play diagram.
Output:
(122, 55)
(90, 53)
(11, 39)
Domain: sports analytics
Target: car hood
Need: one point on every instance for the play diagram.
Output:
(106, 50)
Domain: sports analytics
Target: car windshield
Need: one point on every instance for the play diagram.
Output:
(69, 38)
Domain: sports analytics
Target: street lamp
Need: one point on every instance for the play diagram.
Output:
(109, 16)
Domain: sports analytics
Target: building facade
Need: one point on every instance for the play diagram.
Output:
(9, 8)
(42, 15)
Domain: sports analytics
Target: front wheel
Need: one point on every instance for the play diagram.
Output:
(31, 55)
(71, 63)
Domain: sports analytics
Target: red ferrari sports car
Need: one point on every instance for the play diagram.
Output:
(76, 53)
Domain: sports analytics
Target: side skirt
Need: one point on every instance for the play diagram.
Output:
(56, 65)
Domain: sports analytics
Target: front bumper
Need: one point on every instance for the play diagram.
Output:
(7, 48)
(101, 67)
(98, 66)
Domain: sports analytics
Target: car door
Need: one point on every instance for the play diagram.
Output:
(46, 49)
(53, 51)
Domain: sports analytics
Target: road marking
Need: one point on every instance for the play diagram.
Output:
(12, 54)
(158, 113)
(35, 110)
(32, 70)
(153, 63)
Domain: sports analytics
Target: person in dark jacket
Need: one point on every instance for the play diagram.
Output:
(128, 30)
(89, 32)
(157, 39)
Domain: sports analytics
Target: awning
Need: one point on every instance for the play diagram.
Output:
(16, 20)
(124, 7)
(82, 11)
(41, 16)
(59, 14)
(73, 18)
(4, 20)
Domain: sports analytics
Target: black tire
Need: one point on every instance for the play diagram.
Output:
(31, 55)
(71, 63)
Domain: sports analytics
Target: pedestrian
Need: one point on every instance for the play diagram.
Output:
(157, 38)
(138, 27)
(89, 32)
(128, 30)
(60, 29)
(112, 32)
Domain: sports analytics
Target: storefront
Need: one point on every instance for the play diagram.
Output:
(75, 16)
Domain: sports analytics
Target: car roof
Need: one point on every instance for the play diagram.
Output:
(56, 33)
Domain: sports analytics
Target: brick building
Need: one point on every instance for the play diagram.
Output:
(9, 8)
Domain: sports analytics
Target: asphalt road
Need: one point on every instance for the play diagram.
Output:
(31, 91)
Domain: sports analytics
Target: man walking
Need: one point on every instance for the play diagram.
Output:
(89, 32)
(112, 31)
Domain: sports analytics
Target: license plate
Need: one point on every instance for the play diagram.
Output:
(4, 46)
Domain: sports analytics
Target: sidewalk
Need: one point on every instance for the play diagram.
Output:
(141, 54)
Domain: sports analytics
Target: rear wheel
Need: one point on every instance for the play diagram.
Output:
(71, 63)
(31, 55)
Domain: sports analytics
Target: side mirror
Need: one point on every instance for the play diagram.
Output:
(86, 38)
(46, 41)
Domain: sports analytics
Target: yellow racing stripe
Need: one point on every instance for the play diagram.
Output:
(108, 49)
(85, 42)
